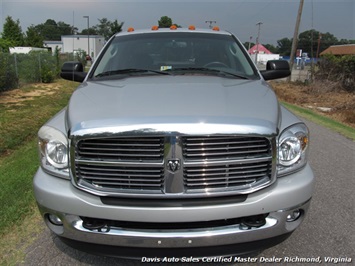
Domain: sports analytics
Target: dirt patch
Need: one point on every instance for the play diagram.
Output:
(19, 95)
(324, 98)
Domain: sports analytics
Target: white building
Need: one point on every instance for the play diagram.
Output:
(74, 43)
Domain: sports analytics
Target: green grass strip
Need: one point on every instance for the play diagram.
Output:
(345, 130)
(16, 193)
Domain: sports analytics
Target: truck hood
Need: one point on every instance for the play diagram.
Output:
(173, 104)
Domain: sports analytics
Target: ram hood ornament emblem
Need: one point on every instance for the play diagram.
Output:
(173, 165)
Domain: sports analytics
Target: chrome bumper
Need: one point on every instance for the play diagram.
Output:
(275, 225)
(58, 197)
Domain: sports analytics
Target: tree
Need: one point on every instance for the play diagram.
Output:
(107, 28)
(116, 27)
(65, 29)
(271, 48)
(165, 22)
(308, 41)
(91, 31)
(5, 45)
(49, 30)
(33, 37)
(248, 45)
(284, 46)
(12, 32)
(53, 31)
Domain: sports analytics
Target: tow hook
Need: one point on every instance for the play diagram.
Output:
(96, 224)
(253, 221)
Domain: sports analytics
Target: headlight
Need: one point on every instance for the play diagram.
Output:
(293, 149)
(53, 149)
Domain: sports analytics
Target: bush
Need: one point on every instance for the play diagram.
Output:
(340, 69)
(37, 67)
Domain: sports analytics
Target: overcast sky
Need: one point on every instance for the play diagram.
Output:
(238, 16)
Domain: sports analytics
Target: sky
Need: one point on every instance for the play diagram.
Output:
(278, 17)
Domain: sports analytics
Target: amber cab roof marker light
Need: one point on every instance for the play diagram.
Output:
(216, 28)
(173, 27)
(192, 27)
(155, 27)
(130, 29)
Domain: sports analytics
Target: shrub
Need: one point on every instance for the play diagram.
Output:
(340, 69)
(37, 67)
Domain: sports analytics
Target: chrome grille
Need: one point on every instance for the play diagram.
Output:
(226, 163)
(224, 148)
(120, 177)
(242, 175)
(138, 166)
(122, 149)
(120, 164)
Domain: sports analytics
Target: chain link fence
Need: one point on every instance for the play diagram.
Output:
(19, 69)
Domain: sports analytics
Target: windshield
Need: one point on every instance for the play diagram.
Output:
(174, 53)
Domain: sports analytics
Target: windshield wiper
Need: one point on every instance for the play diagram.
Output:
(211, 70)
(130, 71)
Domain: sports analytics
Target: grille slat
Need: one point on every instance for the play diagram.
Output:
(229, 173)
(224, 182)
(119, 155)
(128, 185)
(213, 169)
(230, 154)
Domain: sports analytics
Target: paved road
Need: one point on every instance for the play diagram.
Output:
(328, 231)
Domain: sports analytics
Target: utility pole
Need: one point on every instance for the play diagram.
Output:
(318, 46)
(87, 17)
(210, 21)
(250, 38)
(295, 37)
(257, 42)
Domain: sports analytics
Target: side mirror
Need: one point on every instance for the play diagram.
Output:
(276, 69)
(73, 71)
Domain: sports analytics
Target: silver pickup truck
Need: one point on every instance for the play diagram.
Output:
(174, 145)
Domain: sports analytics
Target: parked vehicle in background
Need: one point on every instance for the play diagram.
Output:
(173, 145)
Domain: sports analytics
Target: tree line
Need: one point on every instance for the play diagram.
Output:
(50, 30)
(311, 41)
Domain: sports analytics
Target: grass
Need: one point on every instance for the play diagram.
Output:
(21, 121)
(345, 130)
(19, 124)
(18, 205)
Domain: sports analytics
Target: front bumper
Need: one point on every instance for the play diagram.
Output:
(58, 197)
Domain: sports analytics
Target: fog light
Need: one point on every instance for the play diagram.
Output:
(293, 216)
(54, 219)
